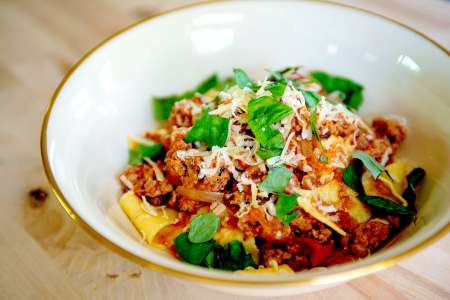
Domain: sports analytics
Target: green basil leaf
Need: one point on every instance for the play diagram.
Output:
(263, 112)
(285, 204)
(386, 205)
(208, 84)
(210, 129)
(267, 110)
(279, 74)
(137, 155)
(267, 152)
(277, 179)
(353, 91)
(276, 88)
(370, 163)
(323, 158)
(312, 100)
(191, 252)
(162, 106)
(243, 81)
(203, 227)
(413, 179)
(226, 84)
(287, 219)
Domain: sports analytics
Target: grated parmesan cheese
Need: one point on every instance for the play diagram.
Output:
(126, 182)
(158, 174)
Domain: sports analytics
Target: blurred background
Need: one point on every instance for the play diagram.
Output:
(43, 254)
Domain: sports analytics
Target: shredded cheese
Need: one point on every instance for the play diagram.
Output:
(126, 182)
(158, 174)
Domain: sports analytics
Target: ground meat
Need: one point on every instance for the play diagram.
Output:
(160, 136)
(215, 182)
(144, 182)
(185, 171)
(336, 128)
(375, 147)
(306, 226)
(389, 134)
(391, 129)
(255, 173)
(237, 197)
(182, 203)
(394, 221)
(367, 237)
(344, 220)
(255, 223)
(292, 255)
(185, 112)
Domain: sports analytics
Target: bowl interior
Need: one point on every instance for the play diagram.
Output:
(107, 98)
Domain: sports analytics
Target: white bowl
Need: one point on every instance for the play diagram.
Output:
(106, 97)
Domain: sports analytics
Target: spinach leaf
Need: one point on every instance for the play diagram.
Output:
(191, 252)
(243, 81)
(352, 177)
(162, 106)
(370, 163)
(263, 112)
(277, 179)
(413, 178)
(203, 228)
(386, 205)
(353, 91)
(210, 129)
(210, 254)
(232, 257)
(285, 204)
(140, 151)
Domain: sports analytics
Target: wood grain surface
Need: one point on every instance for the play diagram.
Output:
(43, 254)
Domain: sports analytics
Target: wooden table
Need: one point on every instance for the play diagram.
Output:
(43, 254)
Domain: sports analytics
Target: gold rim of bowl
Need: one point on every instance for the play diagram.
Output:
(314, 279)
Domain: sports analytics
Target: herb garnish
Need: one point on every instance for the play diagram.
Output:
(277, 179)
(276, 88)
(243, 81)
(263, 112)
(279, 74)
(162, 106)
(210, 129)
(352, 177)
(370, 163)
(312, 100)
(285, 204)
(203, 228)
(352, 91)
(148, 149)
